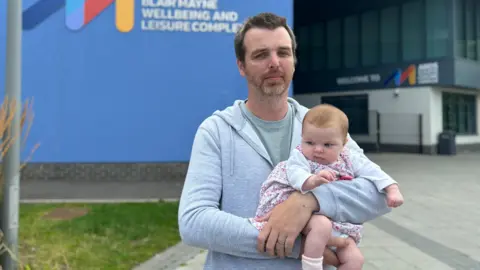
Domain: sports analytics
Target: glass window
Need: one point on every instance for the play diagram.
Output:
(470, 35)
(389, 35)
(356, 109)
(460, 46)
(437, 28)
(334, 44)
(477, 27)
(351, 41)
(459, 113)
(318, 47)
(370, 38)
(413, 33)
(303, 48)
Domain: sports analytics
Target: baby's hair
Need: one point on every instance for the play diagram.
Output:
(327, 116)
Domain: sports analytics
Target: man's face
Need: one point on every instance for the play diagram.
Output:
(269, 61)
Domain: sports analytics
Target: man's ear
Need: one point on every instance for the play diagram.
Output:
(241, 67)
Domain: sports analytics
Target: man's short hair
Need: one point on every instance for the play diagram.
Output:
(327, 116)
(265, 20)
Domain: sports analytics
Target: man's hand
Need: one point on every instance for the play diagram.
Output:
(285, 222)
(330, 257)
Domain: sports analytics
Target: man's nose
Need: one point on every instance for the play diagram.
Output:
(274, 61)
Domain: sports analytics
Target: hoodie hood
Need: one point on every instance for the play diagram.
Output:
(234, 117)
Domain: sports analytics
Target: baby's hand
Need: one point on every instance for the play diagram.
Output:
(314, 181)
(394, 196)
(327, 174)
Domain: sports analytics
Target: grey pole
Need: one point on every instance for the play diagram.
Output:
(11, 162)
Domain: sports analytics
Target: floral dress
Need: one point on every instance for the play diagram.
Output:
(276, 189)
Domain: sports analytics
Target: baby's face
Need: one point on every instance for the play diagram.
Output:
(322, 145)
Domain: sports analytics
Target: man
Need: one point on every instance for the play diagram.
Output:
(233, 152)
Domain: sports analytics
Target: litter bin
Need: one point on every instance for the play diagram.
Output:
(446, 143)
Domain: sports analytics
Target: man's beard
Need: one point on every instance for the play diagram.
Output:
(273, 90)
(270, 90)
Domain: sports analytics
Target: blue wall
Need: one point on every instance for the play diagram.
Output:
(105, 96)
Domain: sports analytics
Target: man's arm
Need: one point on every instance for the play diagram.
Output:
(356, 201)
(365, 168)
(201, 222)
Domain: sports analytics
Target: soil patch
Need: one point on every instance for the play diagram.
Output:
(65, 213)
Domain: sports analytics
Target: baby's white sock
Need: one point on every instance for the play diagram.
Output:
(312, 263)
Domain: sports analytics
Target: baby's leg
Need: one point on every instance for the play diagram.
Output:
(317, 233)
(351, 258)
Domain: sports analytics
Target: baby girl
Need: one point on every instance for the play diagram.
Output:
(323, 157)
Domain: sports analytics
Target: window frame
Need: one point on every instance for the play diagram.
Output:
(457, 110)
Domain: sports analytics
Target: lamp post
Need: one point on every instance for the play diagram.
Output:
(11, 162)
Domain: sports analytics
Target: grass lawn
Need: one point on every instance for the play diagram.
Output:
(107, 236)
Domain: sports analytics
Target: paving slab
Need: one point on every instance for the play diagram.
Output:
(173, 258)
(381, 251)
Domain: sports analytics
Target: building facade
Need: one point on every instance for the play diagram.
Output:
(122, 99)
(121, 96)
(403, 70)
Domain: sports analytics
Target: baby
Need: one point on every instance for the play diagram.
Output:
(321, 158)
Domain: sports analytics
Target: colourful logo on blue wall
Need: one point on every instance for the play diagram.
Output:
(78, 13)
(399, 77)
(189, 16)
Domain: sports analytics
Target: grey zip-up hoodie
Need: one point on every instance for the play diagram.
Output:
(221, 191)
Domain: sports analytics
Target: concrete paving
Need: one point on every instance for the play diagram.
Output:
(172, 258)
(437, 227)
